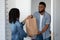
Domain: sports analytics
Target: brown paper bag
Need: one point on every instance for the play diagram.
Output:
(31, 26)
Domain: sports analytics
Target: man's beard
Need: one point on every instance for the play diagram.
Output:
(41, 11)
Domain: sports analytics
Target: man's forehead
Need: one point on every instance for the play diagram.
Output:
(41, 5)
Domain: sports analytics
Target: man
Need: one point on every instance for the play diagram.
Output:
(43, 22)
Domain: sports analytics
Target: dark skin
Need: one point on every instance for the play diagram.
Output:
(44, 29)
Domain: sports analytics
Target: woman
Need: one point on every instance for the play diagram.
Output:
(16, 27)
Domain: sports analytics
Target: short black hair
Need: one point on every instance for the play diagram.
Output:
(13, 15)
(43, 3)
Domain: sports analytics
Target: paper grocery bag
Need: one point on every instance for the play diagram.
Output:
(31, 26)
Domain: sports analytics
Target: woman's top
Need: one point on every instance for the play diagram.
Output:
(17, 32)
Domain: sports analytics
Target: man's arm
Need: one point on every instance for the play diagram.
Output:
(45, 28)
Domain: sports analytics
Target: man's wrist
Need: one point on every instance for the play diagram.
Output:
(41, 32)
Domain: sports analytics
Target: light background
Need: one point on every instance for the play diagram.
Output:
(12, 3)
(2, 19)
(26, 8)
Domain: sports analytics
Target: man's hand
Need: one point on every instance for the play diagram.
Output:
(39, 33)
(44, 29)
(30, 16)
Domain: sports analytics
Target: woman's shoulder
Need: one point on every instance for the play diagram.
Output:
(17, 23)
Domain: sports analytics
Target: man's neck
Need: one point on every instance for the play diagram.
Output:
(42, 13)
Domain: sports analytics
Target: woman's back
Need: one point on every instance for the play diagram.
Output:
(14, 31)
(17, 31)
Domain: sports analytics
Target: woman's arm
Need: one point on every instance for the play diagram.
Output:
(20, 29)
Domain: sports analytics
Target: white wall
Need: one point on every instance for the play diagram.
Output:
(2, 19)
(25, 8)
(56, 20)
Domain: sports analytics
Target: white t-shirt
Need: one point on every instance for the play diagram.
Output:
(41, 18)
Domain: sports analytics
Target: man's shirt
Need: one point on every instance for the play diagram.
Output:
(46, 20)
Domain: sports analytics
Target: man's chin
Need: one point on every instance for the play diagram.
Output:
(40, 11)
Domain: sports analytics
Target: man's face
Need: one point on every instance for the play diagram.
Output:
(41, 8)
